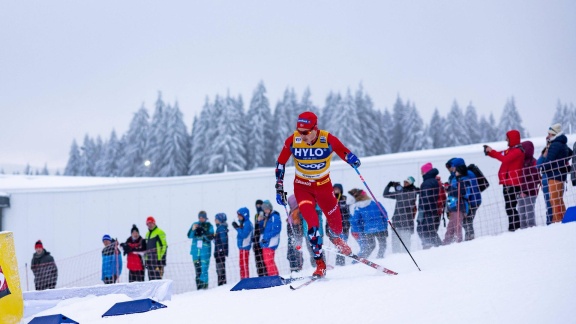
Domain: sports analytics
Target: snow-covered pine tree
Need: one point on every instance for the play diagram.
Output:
(283, 122)
(415, 137)
(455, 128)
(436, 129)
(386, 125)
(228, 150)
(397, 135)
(511, 119)
(306, 103)
(199, 140)
(472, 126)
(131, 164)
(258, 119)
(88, 157)
(370, 129)
(156, 137)
(45, 171)
(175, 148)
(329, 119)
(74, 161)
(107, 165)
(348, 128)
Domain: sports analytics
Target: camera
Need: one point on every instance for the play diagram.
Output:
(485, 147)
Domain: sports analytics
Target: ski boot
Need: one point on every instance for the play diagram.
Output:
(341, 245)
(320, 268)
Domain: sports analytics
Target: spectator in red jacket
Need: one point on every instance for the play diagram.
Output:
(134, 248)
(510, 174)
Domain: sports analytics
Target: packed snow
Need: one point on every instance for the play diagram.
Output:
(521, 277)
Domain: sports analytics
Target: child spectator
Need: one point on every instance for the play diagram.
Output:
(244, 237)
(221, 247)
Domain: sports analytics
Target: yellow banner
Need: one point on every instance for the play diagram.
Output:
(11, 301)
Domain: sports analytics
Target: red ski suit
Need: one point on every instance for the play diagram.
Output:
(312, 182)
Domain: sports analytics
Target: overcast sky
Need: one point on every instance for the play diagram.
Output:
(68, 68)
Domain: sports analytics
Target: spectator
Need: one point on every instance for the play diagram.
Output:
(201, 233)
(509, 174)
(111, 260)
(134, 247)
(345, 211)
(312, 150)
(457, 204)
(428, 219)
(374, 224)
(473, 196)
(156, 250)
(529, 188)
(260, 266)
(294, 229)
(554, 163)
(404, 212)
(44, 268)
(271, 226)
(221, 247)
(245, 231)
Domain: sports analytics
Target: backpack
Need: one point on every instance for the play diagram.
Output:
(482, 181)
(441, 198)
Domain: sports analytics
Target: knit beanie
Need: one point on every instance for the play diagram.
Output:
(202, 214)
(134, 228)
(339, 186)
(267, 205)
(106, 237)
(221, 217)
(555, 129)
(426, 167)
(150, 219)
(410, 180)
(38, 245)
(259, 202)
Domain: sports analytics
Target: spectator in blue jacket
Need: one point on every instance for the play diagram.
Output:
(367, 215)
(554, 163)
(221, 247)
(244, 235)
(428, 218)
(111, 260)
(201, 233)
(271, 226)
(473, 195)
(457, 204)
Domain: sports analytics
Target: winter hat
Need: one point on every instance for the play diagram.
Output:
(150, 219)
(292, 202)
(456, 162)
(259, 202)
(267, 205)
(244, 212)
(355, 192)
(202, 214)
(38, 245)
(449, 163)
(410, 180)
(307, 120)
(221, 217)
(555, 129)
(106, 237)
(426, 167)
(339, 186)
(134, 228)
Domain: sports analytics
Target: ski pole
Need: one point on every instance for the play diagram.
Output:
(384, 213)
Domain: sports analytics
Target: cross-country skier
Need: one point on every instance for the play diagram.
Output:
(312, 150)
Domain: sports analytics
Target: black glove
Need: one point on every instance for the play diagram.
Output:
(391, 184)
(235, 225)
(199, 231)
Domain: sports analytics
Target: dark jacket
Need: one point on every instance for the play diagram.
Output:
(45, 270)
(512, 159)
(429, 191)
(405, 209)
(555, 162)
(134, 260)
(530, 176)
(221, 241)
